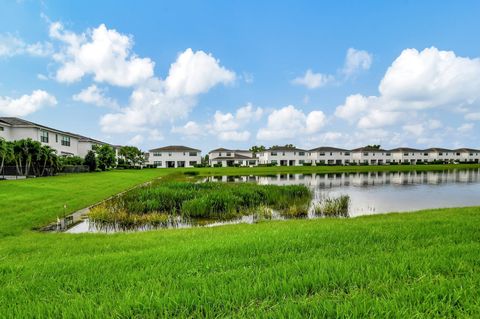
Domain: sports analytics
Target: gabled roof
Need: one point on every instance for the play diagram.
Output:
(466, 150)
(437, 149)
(285, 149)
(405, 149)
(328, 149)
(17, 122)
(175, 148)
(368, 149)
(221, 149)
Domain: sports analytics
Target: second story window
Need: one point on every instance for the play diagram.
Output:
(322, 154)
(273, 153)
(157, 154)
(405, 154)
(365, 154)
(1, 128)
(301, 153)
(44, 136)
(192, 153)
(66, 140)
(347, 154)
(229, 154)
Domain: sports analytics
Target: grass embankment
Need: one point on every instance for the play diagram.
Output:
(163, 202)
(420, 265)
(240, 171)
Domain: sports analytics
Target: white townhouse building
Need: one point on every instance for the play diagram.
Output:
(284, 156)
(371, 156)
(330, 156)
(440, 154)
(226, 157)
(65, 143)
(174, 156)
(467, 155)
(408, 155)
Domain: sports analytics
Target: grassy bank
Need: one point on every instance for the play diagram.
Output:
(239, 171)
(420, 265)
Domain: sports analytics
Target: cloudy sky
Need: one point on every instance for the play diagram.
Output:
(211, 73)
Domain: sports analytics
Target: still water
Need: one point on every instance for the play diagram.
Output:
(370, 193)
(381, 192)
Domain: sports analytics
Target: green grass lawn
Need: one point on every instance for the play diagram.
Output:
(412, 265)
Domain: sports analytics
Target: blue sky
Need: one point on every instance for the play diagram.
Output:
(242, 73)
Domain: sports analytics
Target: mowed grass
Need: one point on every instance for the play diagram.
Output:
(413, 265)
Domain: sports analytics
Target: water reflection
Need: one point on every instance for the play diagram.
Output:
(380, 192)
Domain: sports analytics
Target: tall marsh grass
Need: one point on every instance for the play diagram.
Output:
(160, 202)
(333, 207)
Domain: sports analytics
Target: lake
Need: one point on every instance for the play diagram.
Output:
(369, 192)
(382, 192)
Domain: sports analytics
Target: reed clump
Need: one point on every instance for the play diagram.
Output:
(333, 207)
(209, 200)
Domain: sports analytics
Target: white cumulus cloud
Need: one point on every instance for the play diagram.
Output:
(313, 80)
(289, 122)
(355, 61)
(417, 81)
(26, 104)
(96, 96)
(101, 52)
(11, 45)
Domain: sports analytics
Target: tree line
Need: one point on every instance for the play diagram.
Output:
(31, 157)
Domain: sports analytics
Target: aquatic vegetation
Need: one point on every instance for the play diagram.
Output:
(333, 207)
(210, 200)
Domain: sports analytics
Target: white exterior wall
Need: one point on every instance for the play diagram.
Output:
(6, 132)
(287, 158)
(410, 157)
(166, 156)
(371, 157)
(330, 157)
(473, 156)
(18, 133)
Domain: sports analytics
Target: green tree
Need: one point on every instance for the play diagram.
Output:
(257, 149)
(375, 146)
(105, 156)
(49, 156)
(91, 161)
(6, 152)
(132, 155)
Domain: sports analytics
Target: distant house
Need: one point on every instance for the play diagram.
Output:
(371, 156)
(284, 156)
(326, 155)
(65, 143)
(174, 156)
(467, 155)
(408, 155)
(226, 157)
(437, 154)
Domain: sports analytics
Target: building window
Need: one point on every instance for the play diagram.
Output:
(365, 154)
(1, 128)
(440, 154)
(169, 154)
(458, 154)
(220, 154)
(66, 140)
(347, 154)
(425, 154)
(273, 153)
(274, 162)
(56, 138)
(193, 154)
(44, 136)
(229, 154)
(301, 162)
(405, 154)
(157, 163)
(301, 153)
(322, 154)
(388, 154)
(193, 163)
(157, 154)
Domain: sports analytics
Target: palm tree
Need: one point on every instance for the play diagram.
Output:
(49, 156)
(6, 152)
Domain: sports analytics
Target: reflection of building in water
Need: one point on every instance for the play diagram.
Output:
(361, 179)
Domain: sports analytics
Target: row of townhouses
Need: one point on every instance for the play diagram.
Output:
(65, 143)
(182, 156)
(70, 144)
